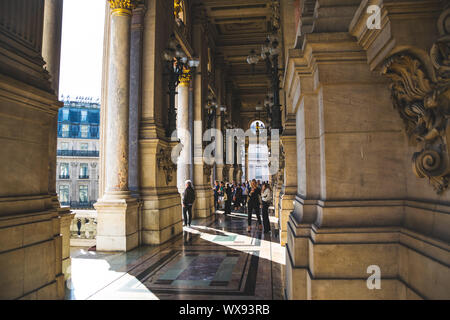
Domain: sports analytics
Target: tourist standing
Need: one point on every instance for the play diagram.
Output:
(244, 195)
(188, 202)
(266, 198)
(216, 195)
(227, 198)
(254, 204)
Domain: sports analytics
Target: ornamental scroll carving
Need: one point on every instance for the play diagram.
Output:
(207, 170)
(164, 162)
(420, 89)
(225, 172)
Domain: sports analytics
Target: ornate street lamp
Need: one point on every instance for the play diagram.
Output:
(268, 104)
(211, 107)
(270, 52)
(178, 65)
(253, 59)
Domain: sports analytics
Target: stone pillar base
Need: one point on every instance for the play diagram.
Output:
(66, 217)
(202, 205)
(161, 217)
(326, 259)
(117, 228)
(286, 206)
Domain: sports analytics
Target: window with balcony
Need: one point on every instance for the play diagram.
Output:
(64, 171)
(84, 131)
(84, 115)
(65, 115)
(84, 198)
(84, 173)
(64, 195)
(65, 130)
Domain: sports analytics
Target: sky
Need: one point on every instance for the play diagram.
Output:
(82, 48)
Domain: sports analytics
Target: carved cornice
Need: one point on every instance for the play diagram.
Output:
(420, 89)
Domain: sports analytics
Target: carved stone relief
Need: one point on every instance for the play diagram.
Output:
(420, 89)
(164, 162)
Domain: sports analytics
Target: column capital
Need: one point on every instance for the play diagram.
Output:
(185, 78)
(122, 7)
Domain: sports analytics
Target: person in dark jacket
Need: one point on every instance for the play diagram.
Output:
(228, 195)
(216, 195)
(188, 201)
(237, 197)
(254, 205)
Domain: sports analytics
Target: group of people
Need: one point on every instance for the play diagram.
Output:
(251, 197)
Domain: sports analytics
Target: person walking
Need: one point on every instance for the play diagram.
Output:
(188, 202)
(244, 195)
(266, 198)
(254, 204)
(237, 197)
(228, 197)
(216, 195)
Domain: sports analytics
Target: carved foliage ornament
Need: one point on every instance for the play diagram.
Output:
(123, 7)
(164, 162)
(421, 93)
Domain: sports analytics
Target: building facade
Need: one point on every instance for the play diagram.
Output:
(78, 153)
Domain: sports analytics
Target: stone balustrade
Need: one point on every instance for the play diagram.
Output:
(83, 229)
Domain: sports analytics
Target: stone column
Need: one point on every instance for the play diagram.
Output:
(137, 30)
(51, 52)
(183, 166)
(219, 164)
(289, 187)
(117, 210)
(202, 207)
(246, 160)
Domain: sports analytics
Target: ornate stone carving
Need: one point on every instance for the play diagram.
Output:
(207, 170)
(282, 158)
(185, 77)
(178, 11)
(164, 162)
(225, 172)
(122, 7)
(421, 93)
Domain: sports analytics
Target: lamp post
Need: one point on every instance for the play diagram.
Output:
(178, 65)
(211, 107)
(270, 52)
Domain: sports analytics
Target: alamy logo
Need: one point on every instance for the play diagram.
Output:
(374, 19)
(374, 280)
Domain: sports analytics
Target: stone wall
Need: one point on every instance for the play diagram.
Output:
(358, 202)
(30, 236)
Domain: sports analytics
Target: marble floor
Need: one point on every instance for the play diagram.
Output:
(215, 258)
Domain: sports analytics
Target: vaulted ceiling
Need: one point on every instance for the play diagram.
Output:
(238, 27)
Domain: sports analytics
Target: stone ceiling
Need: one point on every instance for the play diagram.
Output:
(238, 27)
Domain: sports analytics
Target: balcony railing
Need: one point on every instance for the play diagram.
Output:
(83, 229)
(79, 205)
(64, 177)
(83, 177)
(77, 153)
